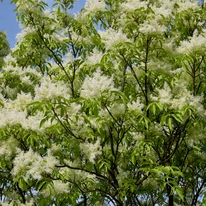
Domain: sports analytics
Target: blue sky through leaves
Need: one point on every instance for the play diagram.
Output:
(8, 21)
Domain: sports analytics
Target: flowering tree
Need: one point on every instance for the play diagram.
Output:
(105, 107)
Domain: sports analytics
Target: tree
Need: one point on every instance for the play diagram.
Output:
(4, 47)
(105, 107)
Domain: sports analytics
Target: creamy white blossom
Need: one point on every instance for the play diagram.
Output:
(167, 4)
(151, 26)
(9, 59)
(33, 122)
(164, 95)
(94, 86)
(112, 38)
(196, 43)
(94, 5)
(91, 150)
(16, 70)
(137, 136)
(25, 31)
(10, 92)
(185, 98)
(161, 11)
(117, 109)
(187, 5)
(26, 80)
(20, 103)
(12, 203)
(94, 58)
(31, 164)
(51, 90)
(8, 147)
(60, 187)
(14, 113)
(11, 117)
(47, 13)
(136, 105)
(132, 5)
(169, 45)
(90, 81)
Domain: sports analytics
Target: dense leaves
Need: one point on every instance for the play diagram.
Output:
(105, 107)
(4, 47)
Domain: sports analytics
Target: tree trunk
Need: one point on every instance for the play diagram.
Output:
(171, 200)
(170, 196)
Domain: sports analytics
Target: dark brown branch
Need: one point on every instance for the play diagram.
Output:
(64, 126)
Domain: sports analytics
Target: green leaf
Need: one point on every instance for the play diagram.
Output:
(177, 117)
(180, 193)
(133, 159)
(169, 122)
(22, 184)
(41, 185)
(43, 121)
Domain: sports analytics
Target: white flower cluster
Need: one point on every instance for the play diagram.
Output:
(79, 126)
(184, 97)
(57, 36)
(18, 70)
(94, 58)
(196, 43)
(25, 31)
(117, 109)
(14, 117)
(168, 46)
(167, 4)
(179, 97)
(135, 106)
(50, 90)
(91, 150)
(11, 117)
(9, 59)
(31, 164)
(68, 58)
(112, 38)
(12, 203)
(165, 95)
(132, 5)
(137, 136)
(159, 12)
(94, 5)
(94, 86)
(59, 187)
(151, 26)
(187, 5)
(20, 103)
(8, 147)
(33, 123)
(14, 113)
(26, 76)
(48, 13)
(29, 6)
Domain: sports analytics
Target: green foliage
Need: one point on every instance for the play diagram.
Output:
(4, 47)
(106, 107)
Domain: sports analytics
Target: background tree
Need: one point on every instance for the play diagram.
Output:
(106, 107)
(4, 47)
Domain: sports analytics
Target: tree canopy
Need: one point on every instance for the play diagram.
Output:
(4, 47)
(105, 107)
